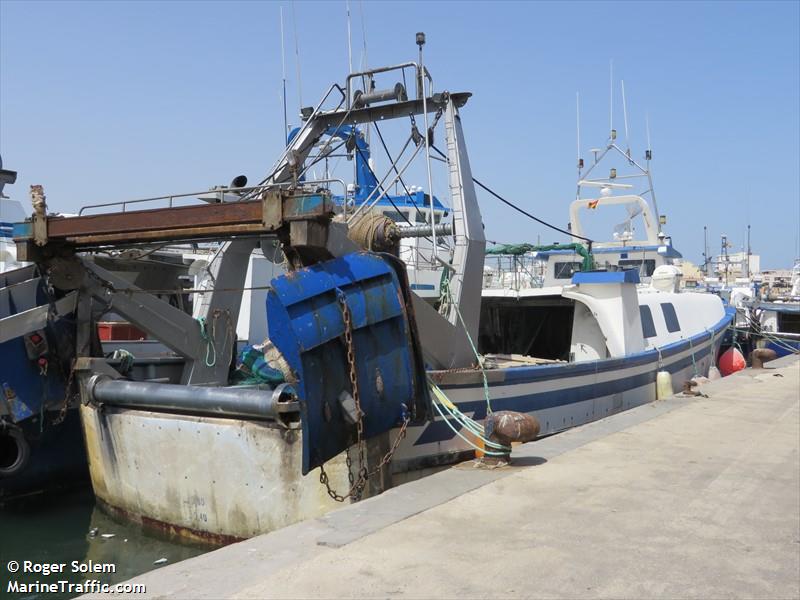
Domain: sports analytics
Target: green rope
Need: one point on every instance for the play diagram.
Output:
(694, 363)
(767, 336)
(478, 357)
(211, 351)
(713, 347)
(465, 422)
(469, 423)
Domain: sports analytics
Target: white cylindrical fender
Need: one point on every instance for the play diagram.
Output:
(663, 385)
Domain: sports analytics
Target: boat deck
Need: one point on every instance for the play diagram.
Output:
(685, 497)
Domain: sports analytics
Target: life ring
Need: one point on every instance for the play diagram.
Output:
(14, 452)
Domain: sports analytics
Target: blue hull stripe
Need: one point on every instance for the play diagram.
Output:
(517, 375)
(438, 431)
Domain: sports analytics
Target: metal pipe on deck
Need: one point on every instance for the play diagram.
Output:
(414, 231)
(213, 401)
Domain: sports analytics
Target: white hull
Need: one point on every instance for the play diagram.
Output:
(560, 395)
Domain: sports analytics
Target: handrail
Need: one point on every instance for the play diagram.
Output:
(221, 191)
(398, 67)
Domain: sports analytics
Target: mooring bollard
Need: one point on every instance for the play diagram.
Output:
(761, 355)
(505, 427)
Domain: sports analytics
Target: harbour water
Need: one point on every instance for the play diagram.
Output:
(66, 528)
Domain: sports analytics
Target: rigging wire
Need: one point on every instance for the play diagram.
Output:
(380, 187)
(394, 166)
(517, 208)
(297, 58)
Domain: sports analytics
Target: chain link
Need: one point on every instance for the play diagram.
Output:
(62, 414)
(357, 485)
(415, 133)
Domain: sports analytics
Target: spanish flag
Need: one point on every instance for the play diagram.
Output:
(593, 203)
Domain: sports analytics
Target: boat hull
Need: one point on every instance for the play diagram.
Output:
(208, 480)
(56, 461)
(560, 395)
(220, 480)
(783, 346)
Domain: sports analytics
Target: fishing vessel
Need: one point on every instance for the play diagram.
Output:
(773, 322)
(576, 331)
(359, 379)
(40, 441)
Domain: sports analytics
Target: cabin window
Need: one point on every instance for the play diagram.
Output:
(670, 317)
(645, 267)
(648, 327)
(788, 322)
(565, 270)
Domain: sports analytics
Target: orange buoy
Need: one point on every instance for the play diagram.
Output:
(731, 361)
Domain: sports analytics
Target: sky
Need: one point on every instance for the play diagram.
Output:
(103, 101)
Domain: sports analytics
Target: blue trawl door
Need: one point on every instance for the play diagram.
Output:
(306, 321)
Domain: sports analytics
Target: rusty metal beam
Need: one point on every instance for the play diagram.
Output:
(265, 215)
(162, 235)
(176, 218)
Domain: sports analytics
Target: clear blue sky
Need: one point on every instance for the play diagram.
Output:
(107, 100)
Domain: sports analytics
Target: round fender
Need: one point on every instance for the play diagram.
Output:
(731, 361)
(14, 452)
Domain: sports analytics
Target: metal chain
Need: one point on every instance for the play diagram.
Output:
(357, 485)
(62, 414)
(440, 110)
(416, 135)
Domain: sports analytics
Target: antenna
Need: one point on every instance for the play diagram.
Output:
(363, 36)
(625, 117)
(283, 72)
(420, 39)
(364, 62)
(349, 40)
(649, 152)
(705, 250)
(578, 118)
(297, 58)
(747, 265)
(611, 97)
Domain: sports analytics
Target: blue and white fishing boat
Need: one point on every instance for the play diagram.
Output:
(574, 332)
(774, 323)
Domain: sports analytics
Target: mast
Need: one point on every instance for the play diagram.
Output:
(578, 129)
(283, 71)
(625, 117)
(611, 98)
(724, 256)
(648, 155)
(747, 264)
(421, 75)
(349, 40)
(297, 58)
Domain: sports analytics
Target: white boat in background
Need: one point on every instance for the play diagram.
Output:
(773, 321)
(574, 332)
(10, 212)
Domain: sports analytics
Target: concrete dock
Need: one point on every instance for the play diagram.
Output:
(682, 498)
